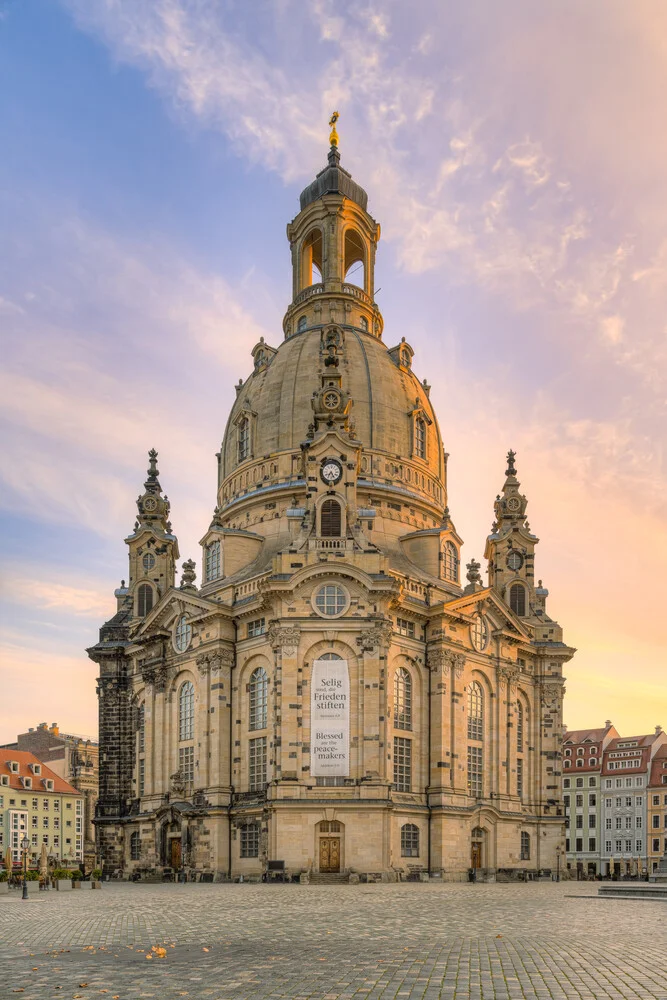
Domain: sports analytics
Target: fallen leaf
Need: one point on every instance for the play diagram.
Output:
(149, 957)
(82, 985)
(204, 949)
(498, 935)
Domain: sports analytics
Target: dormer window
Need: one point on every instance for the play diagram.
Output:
(4, 779)
(213, 560)
(26, 782)
(14, 766)
(244, 439)
(36, 768)
(48, 784)
(420, 437)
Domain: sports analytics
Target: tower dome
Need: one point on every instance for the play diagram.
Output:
(333, 338)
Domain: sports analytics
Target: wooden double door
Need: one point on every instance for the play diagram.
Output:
(329, 854)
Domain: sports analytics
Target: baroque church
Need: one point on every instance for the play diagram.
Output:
(331, 695)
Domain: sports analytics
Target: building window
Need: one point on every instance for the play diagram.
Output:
(256, 628)
(420, 437)
(330, 600)
(258, 692)
(402, 699)
(330, 519)
(475, 772)
(519, 727)
(141, 730)
(591, 844)
(579, 844)
(300, 327)
(250, 840)
(479, 633)
(244, 439)
(450, 559)
(402, 764)
(525, 847)
(186, 764)
(406, 628)
(182, 634)
(519, 778)
(518, 599)
(213, 560)
(409, 841)
(135, 846)
(142, 775)
(144, 600)
(257, 764)
(475, 711)
(186, 712)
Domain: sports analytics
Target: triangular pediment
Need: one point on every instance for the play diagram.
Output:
(488, 602)
(175, 603)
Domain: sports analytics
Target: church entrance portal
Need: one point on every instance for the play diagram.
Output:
(476, 847)
(175, 854)
(330, 854)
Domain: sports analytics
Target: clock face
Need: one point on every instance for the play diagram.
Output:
(331, 471)
(515, 560)
(513, 503)
(150, 503)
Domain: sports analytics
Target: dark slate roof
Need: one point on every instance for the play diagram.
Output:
(334, 179)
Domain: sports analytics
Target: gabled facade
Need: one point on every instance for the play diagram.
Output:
(332, 695)
(657, 809)
(582, 767)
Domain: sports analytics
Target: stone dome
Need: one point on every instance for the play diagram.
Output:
(386, 397)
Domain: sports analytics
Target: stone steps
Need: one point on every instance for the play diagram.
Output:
(328, 878)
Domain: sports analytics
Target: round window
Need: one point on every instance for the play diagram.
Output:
(330, 600)
(479, 632)
(148, 561)
(515, 560)
(182, 634)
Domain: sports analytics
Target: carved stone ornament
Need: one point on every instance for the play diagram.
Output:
(284, 637)
(214, 662)
(177, 784)
(551, 695)
(378, 635)
(438, 659)
(509, 673)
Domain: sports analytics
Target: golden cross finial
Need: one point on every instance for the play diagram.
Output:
(333, 136)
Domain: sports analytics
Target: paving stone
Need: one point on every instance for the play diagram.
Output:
(381, 942)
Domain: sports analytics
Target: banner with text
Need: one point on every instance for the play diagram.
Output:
(330, 719)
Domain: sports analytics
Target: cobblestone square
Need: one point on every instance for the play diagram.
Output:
(329, 942)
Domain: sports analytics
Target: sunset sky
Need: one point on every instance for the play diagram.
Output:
(515, 155)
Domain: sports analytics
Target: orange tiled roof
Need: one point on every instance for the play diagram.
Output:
(24, 759)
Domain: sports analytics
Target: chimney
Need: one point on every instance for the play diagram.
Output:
(658, 730)
(54, 729)
(607, 724)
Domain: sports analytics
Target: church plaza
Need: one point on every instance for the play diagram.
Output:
(542, 940)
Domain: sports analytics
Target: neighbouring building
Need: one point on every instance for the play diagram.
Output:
(76, 760)
(332, 695)
(582, 767)
(626, 769)
(37, 803)
(657, 808)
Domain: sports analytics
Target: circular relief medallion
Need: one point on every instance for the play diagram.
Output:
(331, 400)
(513, 503)
(150, 504)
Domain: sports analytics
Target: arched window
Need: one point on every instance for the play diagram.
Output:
(330, 519)
(258, 692)
(302, 324)
(409, 841)
(363, 323)
(402, 699)
(182, 634)
(213, 560)
(144, 599)
(354, 269)
(311, 258)
(420, 437)
(135, 846)
(525, 846)
(450, 558)
(519, 727)
(244, 439)
(331, 656)
(518, 599)
(475, 711)
(186, 712)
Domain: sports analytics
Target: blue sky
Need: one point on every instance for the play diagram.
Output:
(515, 157)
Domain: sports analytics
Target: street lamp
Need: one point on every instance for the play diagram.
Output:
(25, 844)
(558, 863)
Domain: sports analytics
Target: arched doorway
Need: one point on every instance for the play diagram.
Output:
(329, 845)
(477, 847)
